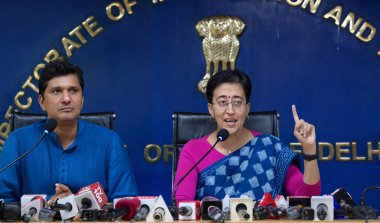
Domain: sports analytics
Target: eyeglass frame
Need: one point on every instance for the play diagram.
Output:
(228, 102)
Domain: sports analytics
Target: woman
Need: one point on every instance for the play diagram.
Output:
(247, 162)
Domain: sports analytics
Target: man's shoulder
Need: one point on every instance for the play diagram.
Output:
(37, 127)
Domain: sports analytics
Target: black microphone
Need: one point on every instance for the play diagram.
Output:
(61, 207)
(241, 209)
(363, 211)
(344, 199)
(142, 213)
(221, 136)
(215, 214)
(322, 211)
(10, 211)
(211, 209)
(86, 203)
(50, 125)
(185, 211)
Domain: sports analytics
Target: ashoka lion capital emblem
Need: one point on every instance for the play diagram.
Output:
(220, 43)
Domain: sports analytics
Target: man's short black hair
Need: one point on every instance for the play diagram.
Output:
(57, 68)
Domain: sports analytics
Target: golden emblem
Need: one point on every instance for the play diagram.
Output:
(220, 43)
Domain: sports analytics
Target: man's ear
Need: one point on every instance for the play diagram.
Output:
(41, 102)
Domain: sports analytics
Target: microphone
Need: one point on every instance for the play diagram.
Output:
(241, 209)
(344, 199)
(226, 213)
(211, 209)
(66, 206)
(323, 207)
(31, 210)
(147, 203)
(293, 212)
(142, 213)
(275, 212)
(185, 211)
(159, 211)
(46, 214)
(9, 211)
(222, 135)
(322, 211)
(127, 208)
(215, 214)
(188, 210)
(159, 214)
(50, 125)
(363, 211)
(91, 196)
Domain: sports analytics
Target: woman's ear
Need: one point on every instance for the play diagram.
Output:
(248, 108)
(210, 110)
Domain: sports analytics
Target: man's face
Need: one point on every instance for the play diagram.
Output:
(63, 98)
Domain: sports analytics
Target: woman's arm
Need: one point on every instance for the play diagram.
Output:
(295, 185)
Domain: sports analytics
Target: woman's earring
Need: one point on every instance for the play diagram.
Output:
(212, 119)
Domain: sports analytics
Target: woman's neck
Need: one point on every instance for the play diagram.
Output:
(233, 142)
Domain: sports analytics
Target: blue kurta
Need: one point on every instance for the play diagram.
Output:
(96, 155)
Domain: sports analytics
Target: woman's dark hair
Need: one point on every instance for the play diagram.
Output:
(57, 68)
(228, 76)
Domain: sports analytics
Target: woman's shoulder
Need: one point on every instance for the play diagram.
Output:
(197, 142)
(195, 145)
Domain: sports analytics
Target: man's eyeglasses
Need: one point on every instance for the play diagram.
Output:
(236, 103)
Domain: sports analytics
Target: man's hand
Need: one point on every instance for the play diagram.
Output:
(61, 191)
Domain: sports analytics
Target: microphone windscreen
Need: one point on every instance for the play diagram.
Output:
(50, 124)
(130, 205)
(10, 211)
(222, 134)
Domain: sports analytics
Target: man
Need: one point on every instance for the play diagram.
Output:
(75, 155)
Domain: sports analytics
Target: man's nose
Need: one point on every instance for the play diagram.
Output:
(66, 97)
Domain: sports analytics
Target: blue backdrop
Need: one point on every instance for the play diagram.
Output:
(146, 65)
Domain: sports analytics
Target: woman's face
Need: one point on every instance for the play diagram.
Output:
(229, 107)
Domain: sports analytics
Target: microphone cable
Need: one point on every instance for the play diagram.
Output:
(362, 203)
(221, 136)
(50, 125)
(363, 211)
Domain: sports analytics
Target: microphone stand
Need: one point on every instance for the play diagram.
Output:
(50, 125)
(191, 169)
(27, 152)
(363, 211)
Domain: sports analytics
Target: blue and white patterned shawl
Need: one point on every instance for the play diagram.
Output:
(256, 168)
